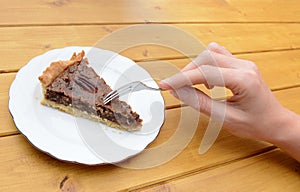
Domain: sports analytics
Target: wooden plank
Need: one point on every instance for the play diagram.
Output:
(273, 171)
(22, 163)
(37, 40)
(7, 124)
(284, 64)
(278, 69)
(289, 98)
(37, 12)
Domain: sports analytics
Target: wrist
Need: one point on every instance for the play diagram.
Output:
(286, 129)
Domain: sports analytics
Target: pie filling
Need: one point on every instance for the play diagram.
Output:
(79, 87)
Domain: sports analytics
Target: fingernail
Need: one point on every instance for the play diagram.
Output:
(163, 84)
(213, 44)
(164, 81)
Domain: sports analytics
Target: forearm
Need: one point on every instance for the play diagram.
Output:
(287, 134)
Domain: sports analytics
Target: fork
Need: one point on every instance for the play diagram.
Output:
(125, 89)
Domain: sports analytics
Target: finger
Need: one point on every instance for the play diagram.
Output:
(189, 96)
(205, 74)
(215, 47)
(201, 102)
(216, 59)
(209, 86)
(202, 59)
(182, 79)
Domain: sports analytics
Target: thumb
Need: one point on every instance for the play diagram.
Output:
(202, 102)
(194, 98)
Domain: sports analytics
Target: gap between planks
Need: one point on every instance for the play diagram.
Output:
(234, 53)
(185, 57)
(147, 22)
(9, 134)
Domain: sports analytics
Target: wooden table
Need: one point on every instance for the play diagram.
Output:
(266, 32)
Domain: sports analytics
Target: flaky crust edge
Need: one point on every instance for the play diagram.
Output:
(57, 67)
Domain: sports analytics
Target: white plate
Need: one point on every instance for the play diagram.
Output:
(79, 140)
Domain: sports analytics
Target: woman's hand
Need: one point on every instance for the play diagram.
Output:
(252, 112)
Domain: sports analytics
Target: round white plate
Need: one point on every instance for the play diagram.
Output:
(79, 140)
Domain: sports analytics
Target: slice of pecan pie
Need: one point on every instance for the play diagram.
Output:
(75, 88)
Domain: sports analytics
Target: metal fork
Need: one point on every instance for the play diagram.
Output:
(125, 89)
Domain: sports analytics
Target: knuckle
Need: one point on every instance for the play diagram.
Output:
(203, 54)
(248, 79)
(240, 77)
(205, 70)
(252, 79)
(250, 74)
(252, 66)
(206, 52)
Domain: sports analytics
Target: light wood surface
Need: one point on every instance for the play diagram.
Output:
(242, 176)
(266, 32)
(238, 38)
(37, 12)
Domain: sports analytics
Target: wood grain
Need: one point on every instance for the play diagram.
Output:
(289, 98)
(7, 125)
(272, 171)
(278, 69)
(238, 38)
(37, 12)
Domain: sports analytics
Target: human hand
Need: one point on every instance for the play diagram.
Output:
(252, 112)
